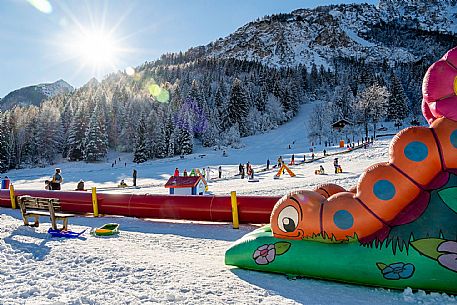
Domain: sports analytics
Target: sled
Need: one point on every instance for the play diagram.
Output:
(106, 230)
(63, 233)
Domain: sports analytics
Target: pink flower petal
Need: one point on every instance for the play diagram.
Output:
(449, 261)
(271, 255)
(256, 254)
(262, 260)
(448, 246)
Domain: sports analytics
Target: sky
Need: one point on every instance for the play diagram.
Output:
(74, 40)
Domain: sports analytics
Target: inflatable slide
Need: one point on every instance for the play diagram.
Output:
(396, 229)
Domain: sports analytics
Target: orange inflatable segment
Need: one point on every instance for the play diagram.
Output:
(343, 216)
(329, 189)
(415, 153)
(446, 132)
(385, 191)
(297, 215)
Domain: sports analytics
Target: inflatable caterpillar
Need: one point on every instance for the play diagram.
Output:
(409, 203)
(388, 194)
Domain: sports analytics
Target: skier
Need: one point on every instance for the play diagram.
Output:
(176, 174)
(268, 164)
(293, 160)
(220, 171)
(56, 180)
(242, 171)
(312, 156)
(134, 177)
(325, 152)
(185, 173)
(240, 168)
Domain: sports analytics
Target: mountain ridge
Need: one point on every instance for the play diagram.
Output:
(34, 94)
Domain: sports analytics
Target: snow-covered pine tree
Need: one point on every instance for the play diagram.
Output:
(49, 133)
(371, 104)
(95, 147)
(238, 107)
(140, 154)
(397, 108)
(76, 136)
(3, 145)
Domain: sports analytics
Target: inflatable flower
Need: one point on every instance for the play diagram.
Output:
(265, 254)
(396, 271)
(439, 88)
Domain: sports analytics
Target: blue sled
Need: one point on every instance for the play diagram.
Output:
(66, 234)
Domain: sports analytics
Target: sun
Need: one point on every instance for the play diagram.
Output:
(97, 49)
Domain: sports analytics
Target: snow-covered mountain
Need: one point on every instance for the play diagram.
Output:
(394, 31)
(34, 95)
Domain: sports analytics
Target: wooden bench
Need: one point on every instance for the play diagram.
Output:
(37, 206)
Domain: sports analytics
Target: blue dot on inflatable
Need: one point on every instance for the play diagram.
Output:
(454, 138)
(384, 190)
(416, 151)
(343, 219)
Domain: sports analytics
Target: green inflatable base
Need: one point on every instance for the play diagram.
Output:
(417, 267)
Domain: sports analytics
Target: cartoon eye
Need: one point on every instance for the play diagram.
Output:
(288, 219)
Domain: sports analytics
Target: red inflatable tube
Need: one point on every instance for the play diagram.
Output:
(251, 209)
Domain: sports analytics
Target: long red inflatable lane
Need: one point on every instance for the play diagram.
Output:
(251, 209)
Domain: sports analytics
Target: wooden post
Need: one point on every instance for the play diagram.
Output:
(12, 197)
(94, 201)
(236, 224)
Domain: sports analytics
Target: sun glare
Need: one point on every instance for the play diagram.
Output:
(97, 49)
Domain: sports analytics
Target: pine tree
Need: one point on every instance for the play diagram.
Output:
(95, 147)
(238, 107)
(76, 136)
(140, 153)
(397, 108)
(3, 145)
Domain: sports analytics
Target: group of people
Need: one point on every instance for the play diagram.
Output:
(118, 161)
(336, 165)
(249, 170)
(205, 172)
(55, 182)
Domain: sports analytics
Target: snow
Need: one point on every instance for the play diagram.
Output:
(177, 262)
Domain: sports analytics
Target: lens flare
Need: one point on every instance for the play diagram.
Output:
(130, 71)
(160, 94)
(43, 6)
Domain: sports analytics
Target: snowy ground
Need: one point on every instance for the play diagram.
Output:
(176, 262)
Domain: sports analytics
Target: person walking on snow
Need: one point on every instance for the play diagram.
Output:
(176, 174)
(268, 164)
(134, 177)
(185, 173)
(293, 160)
(220, 171)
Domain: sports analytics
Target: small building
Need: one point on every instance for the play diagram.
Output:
(340, 124)
(191, 185)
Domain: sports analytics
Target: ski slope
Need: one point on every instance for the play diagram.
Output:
(177, 262)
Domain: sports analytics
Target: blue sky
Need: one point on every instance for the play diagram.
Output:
(40, 46)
